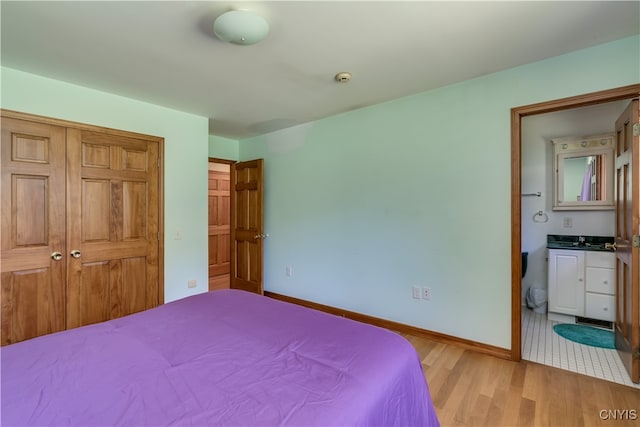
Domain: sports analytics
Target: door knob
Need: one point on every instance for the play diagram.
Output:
(75, 253)
(56, 256)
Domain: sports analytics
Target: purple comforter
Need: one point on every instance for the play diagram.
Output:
(220, 358)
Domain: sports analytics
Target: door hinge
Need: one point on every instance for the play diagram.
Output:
(635, 241)
(158, 236)
(636, 129)
(636, 353)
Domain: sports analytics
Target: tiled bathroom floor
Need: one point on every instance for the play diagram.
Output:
(541, 345)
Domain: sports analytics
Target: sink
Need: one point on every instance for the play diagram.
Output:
(562, 245)
(580, 243)
(571, 245)
(576, 247)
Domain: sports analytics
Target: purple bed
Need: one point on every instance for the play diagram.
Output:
(220, 358)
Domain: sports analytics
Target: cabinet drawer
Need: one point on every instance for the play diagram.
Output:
(600, 259)
(601, 280)
(600, 307)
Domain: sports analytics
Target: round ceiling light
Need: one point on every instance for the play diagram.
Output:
(240, 27)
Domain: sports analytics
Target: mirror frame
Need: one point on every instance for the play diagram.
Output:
(570, 147)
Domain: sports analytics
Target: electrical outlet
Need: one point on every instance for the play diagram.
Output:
(426, 293)
(416, 292)
(192, 283)
(567, 222)
(288, 270)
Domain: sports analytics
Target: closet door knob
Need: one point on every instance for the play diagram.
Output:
(75, 253)
(56, 256)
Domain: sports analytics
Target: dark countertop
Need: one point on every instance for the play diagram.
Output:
(579, 242)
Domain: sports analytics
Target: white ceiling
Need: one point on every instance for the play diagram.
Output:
(165, 53)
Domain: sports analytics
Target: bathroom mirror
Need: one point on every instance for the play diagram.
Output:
(583, 176)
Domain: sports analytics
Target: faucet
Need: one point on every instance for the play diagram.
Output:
(581, 241)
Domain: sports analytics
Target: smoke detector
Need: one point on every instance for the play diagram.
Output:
(343, 77)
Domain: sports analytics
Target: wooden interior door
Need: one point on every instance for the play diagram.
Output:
(112, 222)
(219, 225)
(33, 230)
(247, 229)
(627, 333)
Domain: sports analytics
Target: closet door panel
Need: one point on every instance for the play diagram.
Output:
(134, 210)
(118, 204)
(31, 304)
(88, 296)
(32, 174)
(134, 295)
(29, 195)
(96, 204)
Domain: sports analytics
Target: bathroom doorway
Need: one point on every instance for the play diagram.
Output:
(570, 107)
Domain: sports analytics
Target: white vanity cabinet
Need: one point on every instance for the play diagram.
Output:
(566, 282)
(582, 283)
(600, 286)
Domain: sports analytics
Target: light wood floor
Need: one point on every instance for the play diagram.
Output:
(473, 389)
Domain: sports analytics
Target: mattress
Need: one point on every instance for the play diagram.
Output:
(220, 358)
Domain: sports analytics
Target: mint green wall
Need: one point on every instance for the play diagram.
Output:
(365, 204)
(185, 160)
(223, 148)
(415, 191)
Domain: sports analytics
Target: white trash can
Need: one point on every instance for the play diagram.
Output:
(537, 300)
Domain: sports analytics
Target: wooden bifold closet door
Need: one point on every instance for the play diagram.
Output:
(80, 226)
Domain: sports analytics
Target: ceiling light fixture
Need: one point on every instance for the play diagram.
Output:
(240, 27)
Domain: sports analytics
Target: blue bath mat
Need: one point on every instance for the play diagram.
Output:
(586, 335)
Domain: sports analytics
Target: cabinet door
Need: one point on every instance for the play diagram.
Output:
(601, 280)
(566, 282)
(601, 307)
(600, 259)
(33, 229)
